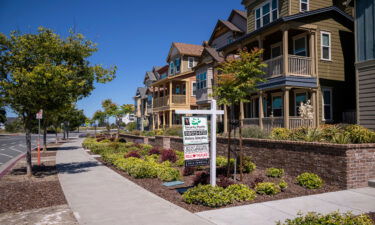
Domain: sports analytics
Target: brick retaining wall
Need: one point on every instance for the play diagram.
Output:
(349, 166)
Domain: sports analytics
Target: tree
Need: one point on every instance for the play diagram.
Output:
(111, 109)
(45, 71)
(238, 80)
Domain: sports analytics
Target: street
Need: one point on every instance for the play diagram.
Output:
(13, 146)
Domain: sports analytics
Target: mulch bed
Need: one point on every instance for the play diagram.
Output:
(372, 216)
(20, 192)
(155, 186)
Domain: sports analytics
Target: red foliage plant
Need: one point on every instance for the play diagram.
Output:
(224, 182)
(132, 154)
(189, 171)
(257, 179)
(154, 151)
(202, 178)
(168, 154)
(100, 139)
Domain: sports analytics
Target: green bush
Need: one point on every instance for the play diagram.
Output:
(313, 135)
(280, 134)
(283, 185)
(359, 134)
(249, 167)
(173, 131)
(254, 132)
(180, 159)
(143, 170)
(334, 218)
(309, 180)
(152, 158)
(131, 126)
(275, 172)
(207, 195)
(267, 188)
(222, 161)
(240, 192)
(341, 138)
(168, 174)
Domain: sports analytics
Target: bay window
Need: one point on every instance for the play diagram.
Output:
(201, 80)
(266, 13)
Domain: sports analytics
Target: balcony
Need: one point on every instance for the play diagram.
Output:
(164, 101)
(298, 66)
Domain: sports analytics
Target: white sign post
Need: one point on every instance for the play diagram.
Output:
(213, 113)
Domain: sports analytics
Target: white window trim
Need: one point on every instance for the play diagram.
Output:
(321, 46)
(278, 94)
(331, 105)
(189, 62)
(295, 99)
(192, 87)
(278, 44)
(298, 37)
(260, 6)
(300, 6)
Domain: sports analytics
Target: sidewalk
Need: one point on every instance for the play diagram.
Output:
(98, 195)
(357, 201)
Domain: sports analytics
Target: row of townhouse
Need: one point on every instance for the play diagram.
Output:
(308, 47)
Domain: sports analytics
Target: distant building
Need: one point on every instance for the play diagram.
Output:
(128, 118)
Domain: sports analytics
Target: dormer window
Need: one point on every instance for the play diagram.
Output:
(177, 63)
(303, 5)
(171, 68)
(191, 62)
(266, 13)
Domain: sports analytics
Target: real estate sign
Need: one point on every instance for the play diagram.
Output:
(195, 136)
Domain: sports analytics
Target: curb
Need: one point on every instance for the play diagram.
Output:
(12, 162)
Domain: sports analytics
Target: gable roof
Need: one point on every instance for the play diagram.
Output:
(186, 49)
(332, 9)
(215, 54)
(141, 92)
(227, 24)
(239, 12)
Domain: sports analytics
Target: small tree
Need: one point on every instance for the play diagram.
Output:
(45, 71)
(239, 80)
(111, 109)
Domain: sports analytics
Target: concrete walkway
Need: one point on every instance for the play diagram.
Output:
(98, 195)
(356, 200)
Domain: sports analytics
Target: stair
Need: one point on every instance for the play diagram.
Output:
(371, 183)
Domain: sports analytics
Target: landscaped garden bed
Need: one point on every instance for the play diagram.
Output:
(150, 167)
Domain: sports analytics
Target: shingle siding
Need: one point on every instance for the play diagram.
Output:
(366, 94)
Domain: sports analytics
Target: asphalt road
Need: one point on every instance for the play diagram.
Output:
(13, 146)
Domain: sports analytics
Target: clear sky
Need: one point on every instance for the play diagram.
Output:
(134, 35)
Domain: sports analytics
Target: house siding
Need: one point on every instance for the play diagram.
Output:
(204, 94)
(313, 5)
(365, 20)
(239, 21)
(366, 94)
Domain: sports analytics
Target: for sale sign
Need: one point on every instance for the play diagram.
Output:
(195, 130)
(39, 115)
(195, 136)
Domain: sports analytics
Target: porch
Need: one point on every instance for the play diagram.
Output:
(170, 94)
(277, 108)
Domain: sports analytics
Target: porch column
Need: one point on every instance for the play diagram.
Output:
(225, 119)
(285, 51)
(286, 107)
(170, 92)
(314, 104)
(312, 52)
(187, 93)
(261, 115)
(170, 118)
(164, 119)
(153, 121)
(159, 120)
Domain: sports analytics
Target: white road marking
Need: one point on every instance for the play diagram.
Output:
(16, 150)
(6, 155)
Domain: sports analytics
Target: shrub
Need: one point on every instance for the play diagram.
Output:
(129, 144)
(180, 159)
(331, 218)
(201, 178)
(298, 134)
(283, 185)
(256, 180)
(133, 154)
(189, 171)
(280, 134)
(133, 149)
(152, 158)
(240, 192)
(267, 188)
(313, 134)
(224, 181)
(168, 174)
(154, 151)
(207, 195)
(274, 172)
(135, 132)
(173, 131)
(341, 138)
(222, 161)
(168, 154)
(359, 134)
(143, 170)
(121, 140)
(100, 139)
(309, 180)
(254, 132)
(329, 131)
(249, 167)
(158, 132)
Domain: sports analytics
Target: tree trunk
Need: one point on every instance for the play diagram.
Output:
(44, 139)
(28, 152)
(229, 140)
(56, 137)
(241, 147)
(64, 134)
(95, 130)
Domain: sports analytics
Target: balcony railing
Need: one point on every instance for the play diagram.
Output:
(164, 101)
(276, 122)
(298, 65)
(297, 122)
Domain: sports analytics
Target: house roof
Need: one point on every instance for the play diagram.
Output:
(189, 49)
(215, 54)
(239, 12)
(231, 26)
(141, 92)
(331, 9)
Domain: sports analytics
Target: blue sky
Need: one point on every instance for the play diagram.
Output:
(133, 35)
